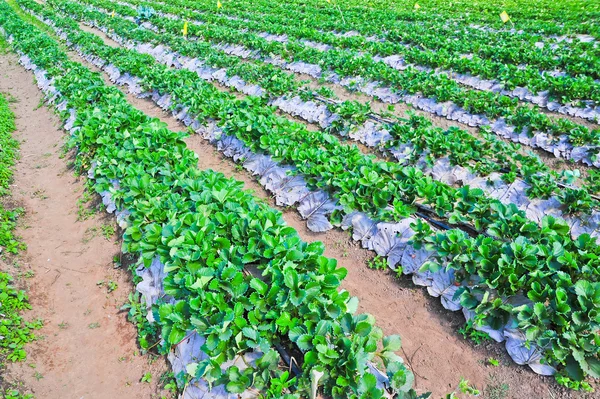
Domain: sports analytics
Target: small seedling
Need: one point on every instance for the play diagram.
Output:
(469, 332)
(147, 378)
(92, 326)
(10, 98)
(167, 381)
(399, 271)
(111, 286)
(377, 263)
(40, 104)
(108, 231)
(63, 326)
(83, 211)
(496, 390)
(38, 376)
(89, 234)
(493, 362)
(464, 387)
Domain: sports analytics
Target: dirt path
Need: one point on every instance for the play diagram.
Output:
(87, 348)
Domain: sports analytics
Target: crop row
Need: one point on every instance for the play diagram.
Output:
(207, 232)
(545, 17)
(15, 330)
(548, 251)
(510, 79)
(9, 244)
(416, 134)
(576, 58)
(434, 93)
(567, 17)
(322, 174)
(8, 149)
(257, 78)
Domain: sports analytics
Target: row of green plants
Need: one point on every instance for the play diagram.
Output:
(411, 81)
(577, 59)
(515, 257)
(564, 89)
(208, 232)
(8, 146)
(15, 331)
(257, 125)
(481, 156)
(546, 16)
(543, 18)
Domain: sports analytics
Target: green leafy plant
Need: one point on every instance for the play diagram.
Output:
(147, 378)
(468, 332)
(111, 286)
(377, 263)
(147, 332)
(464, 387)
(493, 362)
(16, 332)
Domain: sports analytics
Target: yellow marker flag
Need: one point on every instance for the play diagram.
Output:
(219, 5)
(112, 14)
(417, 6)
(185, 25)
(504, 17)
(329, 1)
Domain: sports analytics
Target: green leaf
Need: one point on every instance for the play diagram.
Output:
(392, 343)
(304, 342)
(291, 278)
(363, 328)
(176, 335)
(259, 286)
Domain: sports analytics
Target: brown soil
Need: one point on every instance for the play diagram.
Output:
(87, 348)
(432, 347)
